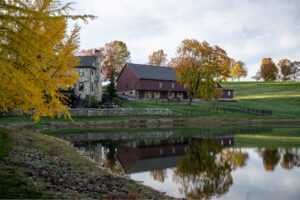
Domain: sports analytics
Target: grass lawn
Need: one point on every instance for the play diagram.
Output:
(199, 110)
(282, 98)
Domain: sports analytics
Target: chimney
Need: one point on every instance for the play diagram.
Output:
(97, 53)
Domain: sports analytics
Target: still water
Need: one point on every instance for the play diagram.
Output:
(201, 167)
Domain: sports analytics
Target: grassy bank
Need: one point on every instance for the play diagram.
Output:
(282, 98)
(12, 186)
(35, 166)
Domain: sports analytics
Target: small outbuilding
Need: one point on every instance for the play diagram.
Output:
(154, 82)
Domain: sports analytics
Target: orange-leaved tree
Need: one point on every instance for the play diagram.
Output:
(199, 66)
(114, 56)
(36, 56)
(268, 70)
(286, 69)
(158, 58)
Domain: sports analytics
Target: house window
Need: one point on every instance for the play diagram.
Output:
(126, 86)
(173, 85)
(228, 93)
(92, 87)
(184, 87)
(92, 71)
(81, 72)
(160, 85)
(81, 86)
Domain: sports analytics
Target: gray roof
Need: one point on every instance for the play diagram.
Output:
(154, 164)
(153, 72)
(87, 61)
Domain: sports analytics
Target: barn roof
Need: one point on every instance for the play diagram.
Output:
(87, 61)
(153, 72)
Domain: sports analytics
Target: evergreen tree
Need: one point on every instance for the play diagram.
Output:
(111, 88)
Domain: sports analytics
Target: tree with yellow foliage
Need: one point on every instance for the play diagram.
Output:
(199, 66)
(36, 56)
(158, 58)
(238, 70)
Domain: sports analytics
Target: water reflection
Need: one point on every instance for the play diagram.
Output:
(205, 170)
(195, 167)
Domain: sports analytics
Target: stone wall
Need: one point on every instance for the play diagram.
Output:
(119, 112)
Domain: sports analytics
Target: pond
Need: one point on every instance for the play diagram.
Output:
(250, 163)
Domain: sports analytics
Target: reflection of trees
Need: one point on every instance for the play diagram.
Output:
(290, 159)
(206, 169)
(270, 158)
(109, 159)
(159, 175)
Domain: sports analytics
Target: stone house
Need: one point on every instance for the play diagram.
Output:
(154, 82)
(90, 82)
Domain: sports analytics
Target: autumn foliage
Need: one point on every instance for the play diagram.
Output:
(158, 58)
(238, 70)
(268, 70)
(36, 56)
(199, 66)
(114, 56)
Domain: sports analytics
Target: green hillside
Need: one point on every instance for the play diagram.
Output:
(282, 98)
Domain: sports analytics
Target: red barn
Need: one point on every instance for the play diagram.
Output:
(149, 82)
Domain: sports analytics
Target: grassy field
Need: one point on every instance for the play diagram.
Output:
(199, 110)
(282, 98)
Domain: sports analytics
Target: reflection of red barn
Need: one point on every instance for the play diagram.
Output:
(149, 82)
(139, 156)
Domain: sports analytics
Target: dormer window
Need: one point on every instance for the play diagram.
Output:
(160, 85)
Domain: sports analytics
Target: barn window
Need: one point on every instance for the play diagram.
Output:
(81, 72)
(161, 151)
(160, 85)
(81, 86)
(173, 85)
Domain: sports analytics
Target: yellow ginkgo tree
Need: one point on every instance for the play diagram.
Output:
(36, 56)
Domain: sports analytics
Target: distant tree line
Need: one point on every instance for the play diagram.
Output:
(285, 70)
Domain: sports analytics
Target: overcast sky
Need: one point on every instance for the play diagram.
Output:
(248, 30)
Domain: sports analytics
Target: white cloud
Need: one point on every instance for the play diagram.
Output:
(247, 30)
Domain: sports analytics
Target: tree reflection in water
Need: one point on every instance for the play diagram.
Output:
(205, 170)
(288, 158)
(159, 175)
(270, 158)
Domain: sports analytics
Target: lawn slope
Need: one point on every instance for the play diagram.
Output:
(282, 98)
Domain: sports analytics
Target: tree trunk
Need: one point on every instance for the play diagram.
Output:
(190, 101)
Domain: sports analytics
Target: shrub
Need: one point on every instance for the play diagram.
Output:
(94, 102)
(117, 101)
